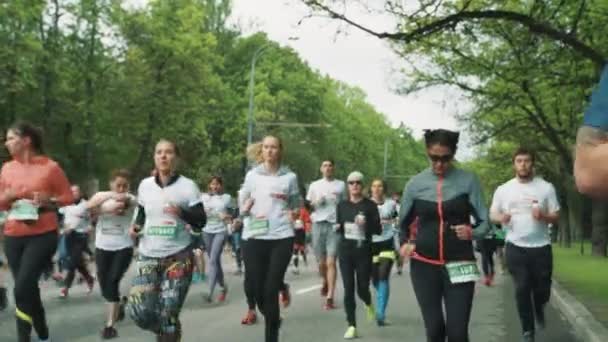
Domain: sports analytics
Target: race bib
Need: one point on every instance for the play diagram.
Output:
(23, 210)
(258, 226)
(462, 271)
(166, 228)
(112, 229)
(298, 224)
(353, 231)
(214, 219)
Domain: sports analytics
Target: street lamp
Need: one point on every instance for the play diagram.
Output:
(254, 59)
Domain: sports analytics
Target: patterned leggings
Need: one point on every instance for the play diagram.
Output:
(158, 292)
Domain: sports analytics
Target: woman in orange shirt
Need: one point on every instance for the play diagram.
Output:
(32, 186)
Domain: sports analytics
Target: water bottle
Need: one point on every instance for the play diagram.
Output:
(360, 219)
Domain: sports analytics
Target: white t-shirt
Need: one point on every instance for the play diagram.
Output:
(163, 234)
(333, 192)
(112, 231)
(216, 205)
(387, 211)
(516, 198)
(76, 217)
(273, 195)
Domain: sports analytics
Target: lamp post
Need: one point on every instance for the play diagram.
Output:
(254, 59)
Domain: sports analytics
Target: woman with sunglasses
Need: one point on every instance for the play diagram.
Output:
(357, 220)
(443, 267)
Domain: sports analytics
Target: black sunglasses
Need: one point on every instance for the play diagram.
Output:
(354, 182)
(446, 158)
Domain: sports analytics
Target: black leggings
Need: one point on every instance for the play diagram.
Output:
(433, 289)
(76, 244)
(111, 267)
(27, 256)
(531, 270)
(265, 264)
(487, 248)
(355, 262)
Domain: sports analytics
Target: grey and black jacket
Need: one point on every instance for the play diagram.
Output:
(440, 202)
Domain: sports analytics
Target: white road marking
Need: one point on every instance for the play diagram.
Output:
(308, 289)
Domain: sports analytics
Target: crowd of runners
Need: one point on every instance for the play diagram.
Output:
(165, 228)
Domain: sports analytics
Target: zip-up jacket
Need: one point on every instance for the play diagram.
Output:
(440, 202)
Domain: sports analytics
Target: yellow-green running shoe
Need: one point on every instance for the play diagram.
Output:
(350, 333)
(371, 312)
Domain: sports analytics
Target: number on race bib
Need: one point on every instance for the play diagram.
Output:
(462, 272)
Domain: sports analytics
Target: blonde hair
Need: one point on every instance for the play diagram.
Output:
(254, 151)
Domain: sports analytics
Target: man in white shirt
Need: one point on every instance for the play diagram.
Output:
(525, 206)
(324, 195)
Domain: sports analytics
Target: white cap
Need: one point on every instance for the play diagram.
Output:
(355, 176)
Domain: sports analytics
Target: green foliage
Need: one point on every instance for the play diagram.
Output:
(106, 81)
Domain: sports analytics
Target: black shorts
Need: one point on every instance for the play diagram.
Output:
(300, 237)
(383, 246)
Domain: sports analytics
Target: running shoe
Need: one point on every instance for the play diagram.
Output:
(539, 312)
(371, 312)
(222, 297)
(285, 296)
(196, 278)
(351, 333)
(250, 318)
(329, 304)
(90, 284)
(108, 333)
(528, 336)
(324, 289)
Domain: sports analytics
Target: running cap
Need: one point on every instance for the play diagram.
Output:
(355, 176)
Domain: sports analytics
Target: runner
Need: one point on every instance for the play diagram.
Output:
(383, 248)
(525, 206)
(218, 206)
(500, 235)
(487, 248)
(76, 226)
(235, 240)
(113, 245)
(396, 197)
(3, 293)
(357, 219)
(302, 225)
(443, 267)
(324, 194)
(590, 169)
(270, 197)
(168, 202)
(31, 188)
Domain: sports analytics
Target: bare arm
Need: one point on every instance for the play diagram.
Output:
(590, 166)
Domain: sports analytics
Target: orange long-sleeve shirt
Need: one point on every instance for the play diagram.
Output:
(41, 175)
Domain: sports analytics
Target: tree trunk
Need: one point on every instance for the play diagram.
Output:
(565, 237)
(599, 233)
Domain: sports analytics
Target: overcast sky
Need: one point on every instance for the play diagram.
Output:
(354, 57)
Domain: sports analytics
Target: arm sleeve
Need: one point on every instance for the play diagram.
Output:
(139, 216)
(194, 214)
(245, 192)
(373, 224)
(339, 218)
(596, 114)
(480, 212)
(497, 205)
(407, 212)
(310, 193)
(60, 187)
